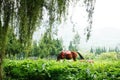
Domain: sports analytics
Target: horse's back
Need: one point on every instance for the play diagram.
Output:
(74, 54)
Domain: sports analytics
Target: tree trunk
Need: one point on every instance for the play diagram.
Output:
(1, 52)
(3, 38)
(1, 68)
(1, 56)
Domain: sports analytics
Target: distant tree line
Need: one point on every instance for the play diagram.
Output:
(46, 47)
(100, 50)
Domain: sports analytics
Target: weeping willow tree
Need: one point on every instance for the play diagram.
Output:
(25, 16)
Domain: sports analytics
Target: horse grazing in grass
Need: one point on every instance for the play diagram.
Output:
(69, 55)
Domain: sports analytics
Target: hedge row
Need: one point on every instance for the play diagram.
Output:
(66, 70)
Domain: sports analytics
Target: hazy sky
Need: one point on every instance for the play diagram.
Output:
(106, 24)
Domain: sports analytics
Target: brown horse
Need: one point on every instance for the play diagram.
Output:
(69, 55)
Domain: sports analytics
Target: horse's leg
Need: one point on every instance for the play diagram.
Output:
(58, 58)
(74, 58)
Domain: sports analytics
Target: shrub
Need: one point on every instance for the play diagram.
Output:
(52, 70)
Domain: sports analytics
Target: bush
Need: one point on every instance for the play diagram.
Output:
(118, 56)
(52, 70)
(89, 56)
(108, 56)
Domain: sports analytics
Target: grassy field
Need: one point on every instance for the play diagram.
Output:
(42, 69)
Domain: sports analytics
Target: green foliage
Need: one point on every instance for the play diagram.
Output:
(100, 50)
(52, 70)
(89, 56)
(13, 45)
(103, 56)
(47, 47)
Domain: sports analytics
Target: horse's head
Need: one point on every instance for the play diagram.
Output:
(61, 55)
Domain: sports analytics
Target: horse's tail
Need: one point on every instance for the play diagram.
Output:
(81, 57)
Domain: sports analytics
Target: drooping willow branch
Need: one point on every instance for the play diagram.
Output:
(26, 14)
(90, 5)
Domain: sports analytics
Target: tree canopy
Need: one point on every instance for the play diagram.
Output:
(24, 15)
